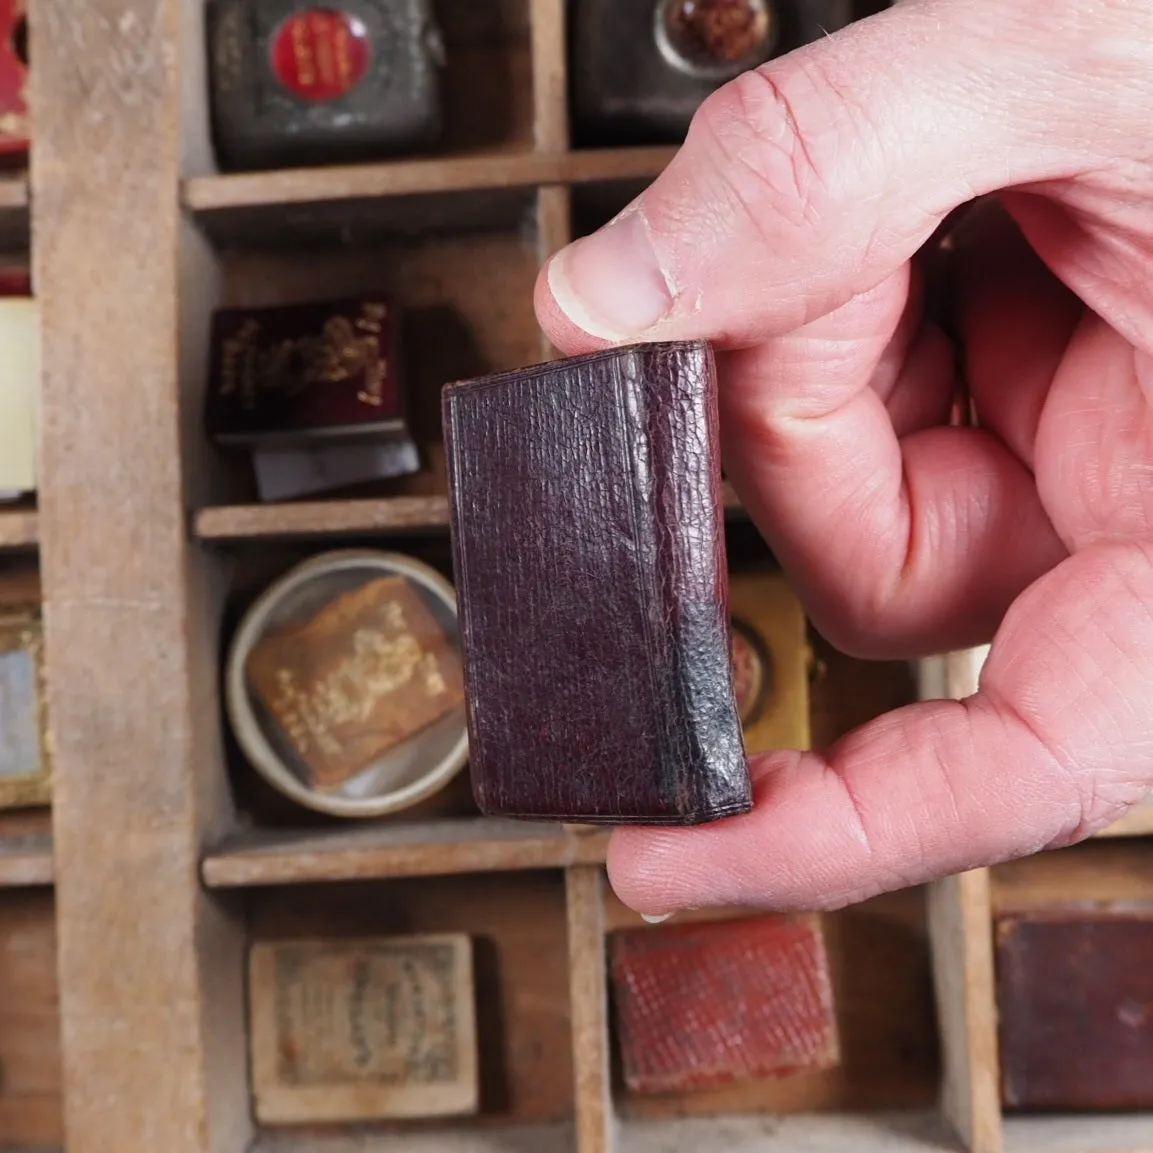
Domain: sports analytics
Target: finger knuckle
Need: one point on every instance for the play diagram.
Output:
(764, 144)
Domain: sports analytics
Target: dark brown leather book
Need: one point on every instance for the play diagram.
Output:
(588, 545)
(1075, 1002)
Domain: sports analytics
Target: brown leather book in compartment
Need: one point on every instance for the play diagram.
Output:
(369, 671)
(1075, 1002)
(589, 553)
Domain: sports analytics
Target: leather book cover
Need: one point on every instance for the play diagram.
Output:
(699, 1005)
(300, 374)
(370, 670)
(589, 556)
(1075, 1003)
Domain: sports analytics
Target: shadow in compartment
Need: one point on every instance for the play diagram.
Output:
(488, 97)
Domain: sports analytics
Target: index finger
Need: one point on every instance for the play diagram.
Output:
(1053, 747)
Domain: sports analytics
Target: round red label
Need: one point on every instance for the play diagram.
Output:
(321, 54)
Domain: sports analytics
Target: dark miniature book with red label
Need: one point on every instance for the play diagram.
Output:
(699, 1005)
(14, 122)
(305, 375)
(1075, 1003)
(296, 82)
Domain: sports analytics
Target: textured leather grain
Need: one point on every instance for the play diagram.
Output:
(709, 1004)
(1075, 1005)
(588, 548)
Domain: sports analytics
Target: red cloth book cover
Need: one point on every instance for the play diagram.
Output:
(14, 123)
(707, 1004)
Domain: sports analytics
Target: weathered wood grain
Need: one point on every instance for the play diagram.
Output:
(398, 849)
(588, 985)
(502, 168)
(961, 933)
(150, 967)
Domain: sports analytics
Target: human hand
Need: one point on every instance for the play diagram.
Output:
(786, 230)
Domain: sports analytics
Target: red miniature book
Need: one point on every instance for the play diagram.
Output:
(708, 1004)
(302, 375)
(14, 130)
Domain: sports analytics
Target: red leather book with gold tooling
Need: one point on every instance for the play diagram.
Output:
(305, 374)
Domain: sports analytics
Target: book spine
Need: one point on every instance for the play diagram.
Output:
(670, 398)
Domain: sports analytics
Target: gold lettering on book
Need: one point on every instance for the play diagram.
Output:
(378, 666)
(302, 51)
(370, 670)
(342, 351)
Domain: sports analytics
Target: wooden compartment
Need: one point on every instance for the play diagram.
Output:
(466, 306)
(883, 997)
(166, 862)
(19, 526)
(961, 918)
(517, 924)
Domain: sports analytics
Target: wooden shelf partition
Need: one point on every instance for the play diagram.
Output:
(1137, 822)
(26, 860)
(519, 168)
(15, 204)
(302, 520)
(19, 528)
(400, 849)
(296, 520)
(14, 191)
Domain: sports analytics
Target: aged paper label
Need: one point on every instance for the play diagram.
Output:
(369, 671)
(363, 1029)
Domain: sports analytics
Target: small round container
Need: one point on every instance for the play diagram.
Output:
(715, 40)
(403, 775)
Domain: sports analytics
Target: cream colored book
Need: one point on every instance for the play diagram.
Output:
(19, 393)
(363, 1030)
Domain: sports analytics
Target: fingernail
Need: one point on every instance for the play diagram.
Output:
(655, 920)
(610, 284)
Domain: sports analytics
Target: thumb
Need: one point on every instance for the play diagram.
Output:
(813, 178)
